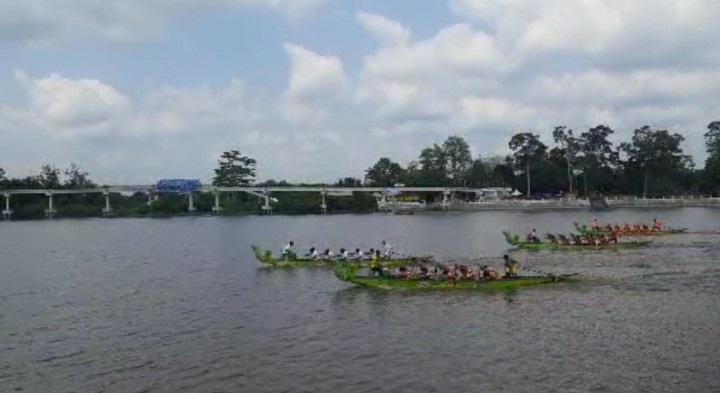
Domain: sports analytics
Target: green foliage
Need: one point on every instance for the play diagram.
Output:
(712, 163)
(385, 173)
(528, 152)
(658, 156)
(76, 178)
(459, 160)
(234, 170)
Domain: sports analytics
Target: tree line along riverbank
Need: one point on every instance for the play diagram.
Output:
(652, 163)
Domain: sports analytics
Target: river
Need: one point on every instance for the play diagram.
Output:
(180, 305)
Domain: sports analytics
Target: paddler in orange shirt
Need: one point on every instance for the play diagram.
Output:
(657, 225)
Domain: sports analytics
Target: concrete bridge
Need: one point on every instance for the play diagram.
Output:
(261, 192)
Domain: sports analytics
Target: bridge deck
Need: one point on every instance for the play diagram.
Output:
(125, 189)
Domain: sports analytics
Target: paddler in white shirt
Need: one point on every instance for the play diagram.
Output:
(359, 254)
(387, 249)
(287, 251)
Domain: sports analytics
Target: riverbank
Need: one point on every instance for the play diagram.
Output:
(176, 207)
(555, 204)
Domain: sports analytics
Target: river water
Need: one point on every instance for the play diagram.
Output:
(180, 305)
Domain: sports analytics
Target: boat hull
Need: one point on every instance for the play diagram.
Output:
(347, 274)
(553, 246)
(266, 258)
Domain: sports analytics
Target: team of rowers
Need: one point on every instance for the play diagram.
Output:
(385, 252)
(656, 226)
(574, 239)
(583, 240)
(448, 271)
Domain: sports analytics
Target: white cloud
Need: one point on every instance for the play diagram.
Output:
(612, 31)
(73, 107)
(195, 110)
(387, 31)
(117, 21)
(316, 83)
(510, 66)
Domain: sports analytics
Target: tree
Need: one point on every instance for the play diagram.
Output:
(77, 178)
(385, 173)
(432, 166)
(712, 145)
(655, 152)
(234, 170)
(3, 177)
(49, 177)
(349, 182)
(477, 175)
(596, 152)
(459, 159)
(568, 147)
(527, 149)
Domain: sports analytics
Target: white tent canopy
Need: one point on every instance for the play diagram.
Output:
(516, 193)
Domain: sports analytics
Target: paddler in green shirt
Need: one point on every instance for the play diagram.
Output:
(374, 265)
(511, 266)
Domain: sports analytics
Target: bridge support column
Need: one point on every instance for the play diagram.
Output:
(191, 202)
(447, 196)
(267, 209)
(7, 213)
(50, 211)
(323, 206)
(217, 208)
(107, 210)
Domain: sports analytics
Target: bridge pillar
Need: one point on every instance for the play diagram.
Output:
(50, 211)
(7, 213)
(447, 196)
(267, 209)
(217, 208)
(191, 202)
(323, 206)
(107, 210)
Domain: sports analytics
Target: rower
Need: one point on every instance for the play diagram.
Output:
(313, 254)
(387, 249)
(657, 225)
(595, 224)
(532, 236)
(511, 266)
(344, 254)
(374, 265)
(359, 254)
(613, 237)
(489, 273)
(287, 251)
(327, 254)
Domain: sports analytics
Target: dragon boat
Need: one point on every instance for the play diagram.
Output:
(348, 272)
(514, 240)
(266, 257)
(585, 230)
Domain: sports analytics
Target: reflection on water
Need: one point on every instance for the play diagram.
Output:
(180, 305)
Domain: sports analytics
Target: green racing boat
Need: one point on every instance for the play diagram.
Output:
(348, 272)
(266, 257)
(514, 240)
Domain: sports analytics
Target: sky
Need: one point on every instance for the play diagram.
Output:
(314, 90)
